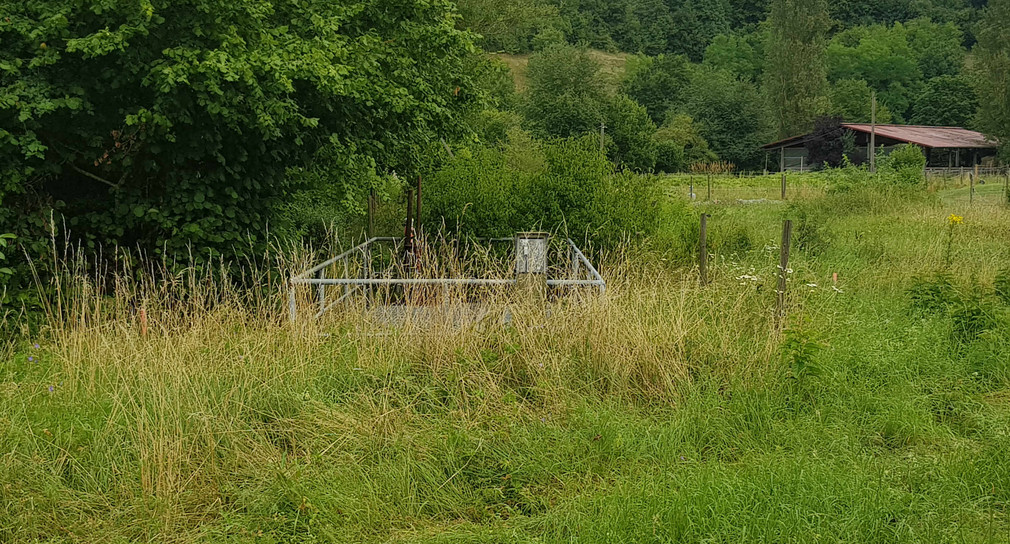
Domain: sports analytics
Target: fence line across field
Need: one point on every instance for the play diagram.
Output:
(316, 276)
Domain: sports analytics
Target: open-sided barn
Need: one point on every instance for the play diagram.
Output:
(945, 147)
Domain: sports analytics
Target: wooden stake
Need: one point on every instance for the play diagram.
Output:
(142, 314)
(703, 252)
(780, 306)
(417, 212)
(1006, 187)
(371, 214)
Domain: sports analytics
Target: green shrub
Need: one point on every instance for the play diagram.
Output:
(1001, 286)
(572, 190)
(632, 133)
(812, 234)
(970, 317)
(904, 166)
(932, 295)
(970, 313)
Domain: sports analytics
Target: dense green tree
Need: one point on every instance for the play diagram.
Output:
(695, 23)
(730, 115)
(565, 96)
(742, 55)
(631, 131)
(595, 22)
(869, 12)
(659, 83)
(180, 124)
(508, 26)
(647, 29)
(876, 54)
(795, 81)
(992, 74)
(852, 100)
(679, 145)
(881, 56)
(961, 13)
(945, 101)
(937, 48)
(747, 12)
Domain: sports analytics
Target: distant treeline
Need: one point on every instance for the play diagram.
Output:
(731, 74)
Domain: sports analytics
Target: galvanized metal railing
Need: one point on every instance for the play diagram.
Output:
(581, 270)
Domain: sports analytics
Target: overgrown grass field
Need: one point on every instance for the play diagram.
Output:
(661, 412)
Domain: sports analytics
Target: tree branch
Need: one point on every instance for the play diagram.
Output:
(94, 177)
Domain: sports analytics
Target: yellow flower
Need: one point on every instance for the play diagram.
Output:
(954, 220)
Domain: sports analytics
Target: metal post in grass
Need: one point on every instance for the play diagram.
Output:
(780, 305)
(783, 185)
(703, 251)
(971, 187)
(321, 290)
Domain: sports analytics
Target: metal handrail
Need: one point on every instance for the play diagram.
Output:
(354, 285)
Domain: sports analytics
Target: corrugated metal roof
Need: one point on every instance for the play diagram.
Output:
(949, 137)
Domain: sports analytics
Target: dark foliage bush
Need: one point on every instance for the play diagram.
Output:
(178, 128)
(571, 189)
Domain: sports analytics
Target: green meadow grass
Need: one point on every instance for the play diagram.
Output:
(661, 413)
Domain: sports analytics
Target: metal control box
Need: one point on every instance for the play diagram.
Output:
(531, 252)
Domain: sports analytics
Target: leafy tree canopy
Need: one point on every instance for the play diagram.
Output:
(852, 100)
(992, 74)
(678, 145)
(631, 131)
(509, 26)
(565, 96)
(174, 124)
(795, 82)
(730, 115)
(659, 83)
(945, 101)
(741, 55)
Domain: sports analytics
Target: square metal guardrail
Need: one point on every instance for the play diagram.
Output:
(579, 272)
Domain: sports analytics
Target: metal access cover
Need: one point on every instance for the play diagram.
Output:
(531, 252)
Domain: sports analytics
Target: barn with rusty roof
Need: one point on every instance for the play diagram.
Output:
(945, 147)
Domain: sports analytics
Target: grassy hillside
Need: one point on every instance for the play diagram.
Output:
(612, 66)
(660, 412)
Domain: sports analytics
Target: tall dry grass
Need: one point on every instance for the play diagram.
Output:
(175, 395)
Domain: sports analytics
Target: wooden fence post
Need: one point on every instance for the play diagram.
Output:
(703, 252)
(1006, 187)
(780, 306)
(371, 214)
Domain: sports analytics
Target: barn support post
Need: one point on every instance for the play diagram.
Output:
(873, 134)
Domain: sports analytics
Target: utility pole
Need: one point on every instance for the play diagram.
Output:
(873, 132)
